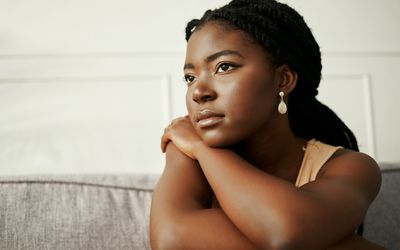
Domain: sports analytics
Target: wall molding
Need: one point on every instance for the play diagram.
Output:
(366, 82)
(121, 54)
(119, 78)
(356, 54)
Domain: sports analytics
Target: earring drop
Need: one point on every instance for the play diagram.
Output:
(282, 108)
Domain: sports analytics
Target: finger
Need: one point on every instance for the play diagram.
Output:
(164, 141)
(164, 146)
(188, 118)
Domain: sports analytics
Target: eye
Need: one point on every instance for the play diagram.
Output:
(189, 79)
(224, 67)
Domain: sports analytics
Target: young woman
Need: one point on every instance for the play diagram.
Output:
(258, 162)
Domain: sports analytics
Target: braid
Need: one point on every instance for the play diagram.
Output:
(190, 27)
(325, 125)
(287, 39)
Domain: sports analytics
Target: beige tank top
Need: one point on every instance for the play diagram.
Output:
(317, 153)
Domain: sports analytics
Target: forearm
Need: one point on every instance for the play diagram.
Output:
(270, 211)
(236, 185)
(202, 229)
(181, 217)
(180, 224)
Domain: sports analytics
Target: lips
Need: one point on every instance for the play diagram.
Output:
(208, 118)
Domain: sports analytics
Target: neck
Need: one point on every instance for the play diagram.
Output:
(279, 153)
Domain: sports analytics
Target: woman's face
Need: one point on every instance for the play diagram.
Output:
(232, 91)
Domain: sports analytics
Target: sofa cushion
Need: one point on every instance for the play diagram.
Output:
(75, 212)
(382, 223)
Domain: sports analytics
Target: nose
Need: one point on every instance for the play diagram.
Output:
(203, 92)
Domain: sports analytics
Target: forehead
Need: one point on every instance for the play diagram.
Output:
(214, 37)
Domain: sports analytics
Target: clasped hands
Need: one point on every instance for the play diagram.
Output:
(182, 133)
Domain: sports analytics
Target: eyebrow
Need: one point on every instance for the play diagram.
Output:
(213, 57)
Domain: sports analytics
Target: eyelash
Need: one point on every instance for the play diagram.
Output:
(186, 79)
(231, 66)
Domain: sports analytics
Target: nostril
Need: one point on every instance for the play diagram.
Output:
(206, 98)
(203, 93)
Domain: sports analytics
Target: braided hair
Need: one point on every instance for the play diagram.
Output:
(287, 39)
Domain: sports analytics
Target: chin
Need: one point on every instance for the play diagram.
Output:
(217, 141)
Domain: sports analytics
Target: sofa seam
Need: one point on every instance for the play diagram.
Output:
(74, 183)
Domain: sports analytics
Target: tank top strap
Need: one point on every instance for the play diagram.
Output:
(315, 156)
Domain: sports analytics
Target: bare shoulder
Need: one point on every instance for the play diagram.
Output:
(359, 169)
(345, 187)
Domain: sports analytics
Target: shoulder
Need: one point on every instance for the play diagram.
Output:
(355, 169)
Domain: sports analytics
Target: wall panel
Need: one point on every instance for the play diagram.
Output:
(376, 97)
(85, 116)
(349, 96)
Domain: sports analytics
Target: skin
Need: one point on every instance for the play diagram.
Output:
(231, 185)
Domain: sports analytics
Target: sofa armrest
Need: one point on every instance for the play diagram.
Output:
(382, 222)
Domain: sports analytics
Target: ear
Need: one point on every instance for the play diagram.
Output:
(288, 79)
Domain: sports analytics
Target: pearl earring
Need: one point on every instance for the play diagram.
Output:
(282, 108)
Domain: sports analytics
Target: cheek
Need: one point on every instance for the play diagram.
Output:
(189, 102)
(253, 97)
(251, 107)
(190, 107)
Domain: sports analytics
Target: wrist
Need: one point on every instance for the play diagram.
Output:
(198, 148)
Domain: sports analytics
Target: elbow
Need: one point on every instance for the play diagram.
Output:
(165, 237)
(278, 242)
(284, 235)
(281, 243)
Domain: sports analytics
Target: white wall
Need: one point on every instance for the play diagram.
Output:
(87, 86)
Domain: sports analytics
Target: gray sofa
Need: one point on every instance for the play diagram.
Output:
(112, 211)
